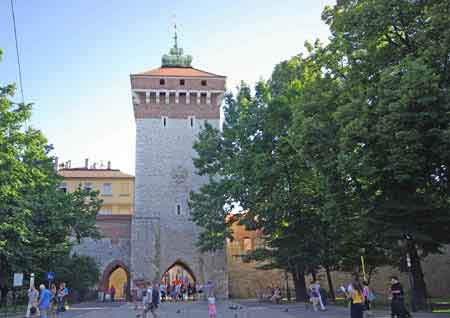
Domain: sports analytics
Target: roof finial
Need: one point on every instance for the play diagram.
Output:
(175, 37)
(176, 58)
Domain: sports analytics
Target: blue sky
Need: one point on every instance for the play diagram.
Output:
(77, 56)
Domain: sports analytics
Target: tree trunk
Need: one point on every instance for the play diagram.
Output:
(3, 279)
(3, 292)
(288, 291)
(420, 288)
(299, 284)
(330, 284)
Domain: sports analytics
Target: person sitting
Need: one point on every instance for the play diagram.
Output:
(276, 297)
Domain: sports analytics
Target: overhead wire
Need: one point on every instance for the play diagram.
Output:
(17, 51)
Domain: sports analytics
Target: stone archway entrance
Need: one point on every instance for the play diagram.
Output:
(117, 274)
(178, 272)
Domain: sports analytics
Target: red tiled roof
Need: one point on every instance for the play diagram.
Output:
(84, 173)
(177, 72)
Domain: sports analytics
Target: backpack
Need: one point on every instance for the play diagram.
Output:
(371, 296)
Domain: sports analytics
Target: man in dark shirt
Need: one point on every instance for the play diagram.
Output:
(155, 300)
(397, 303)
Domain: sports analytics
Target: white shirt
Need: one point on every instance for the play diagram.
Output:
(149, 294)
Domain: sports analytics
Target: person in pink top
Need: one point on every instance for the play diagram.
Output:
(212, 310)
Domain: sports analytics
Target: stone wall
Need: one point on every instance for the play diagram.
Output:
(436, 270)
(437, 273)
(246, 278)
(113, 247)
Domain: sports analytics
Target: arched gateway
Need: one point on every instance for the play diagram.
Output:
(178, 271)
(116, 274)
(171, 105)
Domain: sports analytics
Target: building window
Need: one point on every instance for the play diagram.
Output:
(204, 82)
(164, 121)
(191, 120)
(162, 81)
(203, 97)
(182, 82)
(178, 209)
(63, 187)
(107, 189)
(105, 211)
(124, 189)
(88, 186)
(247, 244)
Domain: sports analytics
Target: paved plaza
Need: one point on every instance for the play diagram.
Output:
(226, 309)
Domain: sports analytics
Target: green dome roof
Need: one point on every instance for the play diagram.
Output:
(176, 58)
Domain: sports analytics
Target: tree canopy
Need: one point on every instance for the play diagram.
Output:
(38, 223)
(344, 151)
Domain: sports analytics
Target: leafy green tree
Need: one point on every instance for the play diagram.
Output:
(79, 272)
(38, 223)
(251, 163)
(394, 127)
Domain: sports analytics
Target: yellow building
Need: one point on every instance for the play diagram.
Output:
(116, 189)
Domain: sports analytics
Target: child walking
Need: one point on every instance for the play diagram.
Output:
(212, 306)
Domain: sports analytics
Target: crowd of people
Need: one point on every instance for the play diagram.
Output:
(361, 298)
(176, 291)
(46, 303)
(147, 296)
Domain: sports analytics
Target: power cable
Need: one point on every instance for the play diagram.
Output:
(17, 51)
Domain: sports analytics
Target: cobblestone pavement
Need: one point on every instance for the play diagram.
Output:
(300, 310)
(225, 309)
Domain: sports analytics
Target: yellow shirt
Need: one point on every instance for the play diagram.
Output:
(357, 297)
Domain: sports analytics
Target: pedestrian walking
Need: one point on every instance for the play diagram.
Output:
(33, 301)
(162, 291)
(134, 296)
(54, 302)
(112, 292)
(397, 299)
(146, 299)
(60, 298)
(212, 309)
(44, 301)
(319, 295)
(355, 294)
(155, 300)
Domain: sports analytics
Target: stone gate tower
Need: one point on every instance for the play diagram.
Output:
(171, 104)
